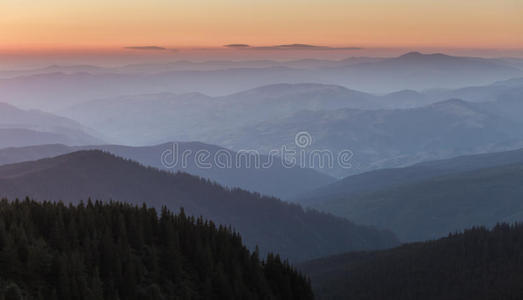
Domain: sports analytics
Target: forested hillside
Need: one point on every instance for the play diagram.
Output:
(274, 225)
(118, 251)
(477, 264)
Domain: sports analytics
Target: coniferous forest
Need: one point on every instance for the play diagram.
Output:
(476, 264)
(98, 250)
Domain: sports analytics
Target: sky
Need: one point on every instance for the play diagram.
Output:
(66, 26)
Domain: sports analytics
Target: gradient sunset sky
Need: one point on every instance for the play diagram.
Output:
(70, 25)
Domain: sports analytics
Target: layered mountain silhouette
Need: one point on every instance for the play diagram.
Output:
(430, 199)
(392, 130)
(60, 87)
(389, 138)
(388, 178)
(194, 116)
(310, 96)
(257, 173)
(273, 225)
(185, 65)
(415, 70)
(20, 137)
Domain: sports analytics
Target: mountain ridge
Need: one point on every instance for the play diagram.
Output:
(274, 180)
(293, 232)
(432, 207)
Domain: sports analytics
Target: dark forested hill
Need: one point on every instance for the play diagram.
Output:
(118, 251)
(268, 222)
(238, 170)
(431, 208)
(477, 264)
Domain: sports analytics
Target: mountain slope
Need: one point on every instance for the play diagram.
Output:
(311, 96)
(199, 117)
(388, 138)
(433, 207)
(496, 91)
(19, 127)
(386, 178)
(267, 118)
(155, 118)
(274, 225)
(477, 264)
(235, 170)
(21, 137)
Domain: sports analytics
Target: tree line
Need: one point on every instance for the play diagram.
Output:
(478, 264)
(96, 250)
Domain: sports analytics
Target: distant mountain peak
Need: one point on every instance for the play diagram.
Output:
(413, 54)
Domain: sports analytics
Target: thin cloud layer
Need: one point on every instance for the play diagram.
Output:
(290, 47)
(237, 46)
(154, 48)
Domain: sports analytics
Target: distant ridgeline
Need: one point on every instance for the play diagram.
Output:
(477, 264)
(119, 251)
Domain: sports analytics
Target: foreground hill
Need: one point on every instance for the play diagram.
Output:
(119, 251)
(273, 225)
(477, 264)
(235, 171)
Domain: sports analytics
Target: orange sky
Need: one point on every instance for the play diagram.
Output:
(32, 25)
